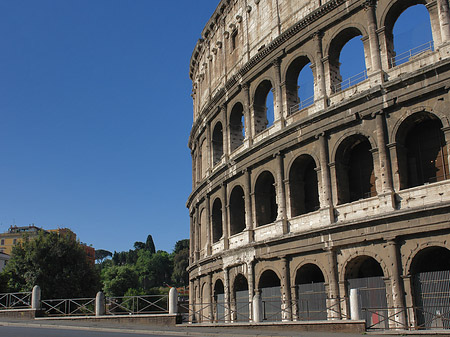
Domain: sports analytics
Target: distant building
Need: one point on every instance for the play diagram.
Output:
(15, 235)
(4, 258)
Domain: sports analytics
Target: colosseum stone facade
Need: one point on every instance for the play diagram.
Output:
(345, 190)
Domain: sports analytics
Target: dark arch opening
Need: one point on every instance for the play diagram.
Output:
(299, 84)
(269, 284)
(237, 130)
(219, 301)
(303, 184)
(217, 143)
(237, 210)
(241, 298)
(311, 294)
(217, 225)
(421, 151)
(265, 199)
(430, 270)
(346, 59)
(261, 108)
(354, 170)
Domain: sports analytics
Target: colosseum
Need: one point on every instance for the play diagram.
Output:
(300, 201)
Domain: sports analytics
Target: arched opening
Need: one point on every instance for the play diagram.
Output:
(237, 210)
(303, 186)
(408, 31)
(299, 84)
(347, 60)
(217, 227)
(265, 199)
(365, 273)
(262, 112)
(217, 143)
(430, 271)
(237, 130)
(311, 293)
(219, 302)
(204, 305)
(241, 299)
(421, 151)
(203, 237)
(270, 286)
(354, 170)
(204, 158)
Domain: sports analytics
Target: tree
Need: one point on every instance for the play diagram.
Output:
(149, 245)
(117, 280)
(180, 275)
(101, 255)
(138, 245)
(57, 263)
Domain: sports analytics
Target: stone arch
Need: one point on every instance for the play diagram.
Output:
(217, 142)
(269, 283)
(359, 253)
(202, 231)
(260, 108)
(303, 186)
(237, 210)
(216, 219)
(422, 154)
(219, 300)
(266, 206)
(353, 158)
(241, 298)
(313, 262)
(420, 248)
(334, 48)
(291, 75)
(236, 125)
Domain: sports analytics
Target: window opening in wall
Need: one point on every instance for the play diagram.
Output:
(241, 299)
(412, 35)
(299, 84)
(270, 286)
(237, 126)
(263, 106)
(427, 158)
(237, 210)
(217, 220)
(265, 199)
(311, 293)
(347, 60)
(234, 39)
(219, 302)
(217, 143)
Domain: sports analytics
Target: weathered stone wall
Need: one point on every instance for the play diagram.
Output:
(389, 225)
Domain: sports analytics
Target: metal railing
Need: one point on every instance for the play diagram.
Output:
(69, 307)
(148, 304)
(300, 106)
(15, 300)
(408, 55)
(350, 82)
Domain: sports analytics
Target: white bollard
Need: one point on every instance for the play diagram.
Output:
(173, 301)
(355, 306)
(257, 308)
(36, 298)
(100, 304)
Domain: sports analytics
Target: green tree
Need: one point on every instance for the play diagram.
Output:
(118, 280)
(57, 263)
(154, 270)
(101, 255)
(180, 275)
(149, 245)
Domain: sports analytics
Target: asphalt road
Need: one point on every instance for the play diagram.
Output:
(13, 331)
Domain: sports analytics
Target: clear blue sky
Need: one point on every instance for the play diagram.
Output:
(95, 114)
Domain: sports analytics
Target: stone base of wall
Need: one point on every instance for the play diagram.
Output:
(319, 326)
(20, 313)
(157, 320)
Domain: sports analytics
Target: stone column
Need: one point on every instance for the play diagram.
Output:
(444, 20)
(326, 202)
(208, 225)
(435, 22)
(225, 217)
(333, 303)
(320, 94)
(392, 147)
(211, 298)
(409, 301)
(209, 149)
(191, 240)
(248, 206)
(247, 115)
(197, 233)
(226, 288)
(251, 286)
(278, 109)
(398, 299)
(375, 56)
(281, 195)
(294, 299)
(286, 314)
(191, 301)
(258, 314)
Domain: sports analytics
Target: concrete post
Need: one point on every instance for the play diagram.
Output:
(36, 298)
(355, 306)
(257, 308)
(173, 301)
(100, 304)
